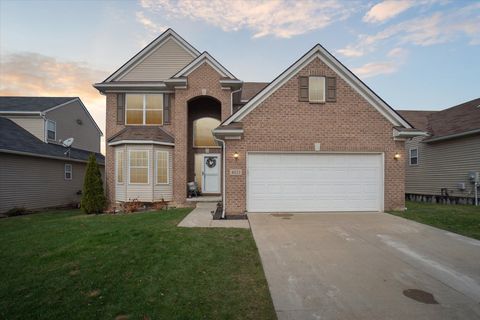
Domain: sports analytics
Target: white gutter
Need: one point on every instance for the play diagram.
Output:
(223, 178)
(140, 142)
(409, 134)
(35, 113)
(22, 153)
(455, 135)
(228, 131)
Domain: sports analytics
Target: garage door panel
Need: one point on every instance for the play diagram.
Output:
(314, 182)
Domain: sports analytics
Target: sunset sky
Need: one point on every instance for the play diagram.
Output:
(422, 54)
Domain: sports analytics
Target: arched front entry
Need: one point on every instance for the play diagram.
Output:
(204, 155)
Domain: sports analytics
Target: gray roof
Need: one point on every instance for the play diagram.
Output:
(152, 133)
(16, 139)
(32, 104)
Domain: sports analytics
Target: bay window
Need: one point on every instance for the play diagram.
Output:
(138, 166)
(162, 167)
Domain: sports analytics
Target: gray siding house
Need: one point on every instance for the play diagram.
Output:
(36, 169)
(444, 162)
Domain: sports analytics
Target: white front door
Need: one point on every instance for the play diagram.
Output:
(314, 182)
(211, 173)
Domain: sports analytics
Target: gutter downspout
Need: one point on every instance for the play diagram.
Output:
(224, 161)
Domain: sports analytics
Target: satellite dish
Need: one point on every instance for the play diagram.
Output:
(68, 142)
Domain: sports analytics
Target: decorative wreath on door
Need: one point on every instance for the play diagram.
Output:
(211, 162)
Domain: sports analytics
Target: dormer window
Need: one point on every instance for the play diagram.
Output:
(144, 109)
(51, 130)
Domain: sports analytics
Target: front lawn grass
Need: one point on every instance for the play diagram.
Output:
(461, 219)
(67, 265)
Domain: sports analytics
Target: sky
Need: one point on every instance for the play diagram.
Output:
(415, 54)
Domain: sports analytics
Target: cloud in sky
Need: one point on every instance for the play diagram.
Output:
(280, 18)
(396, 58)
(149, 24)
(426, 31)
(386, 10)
(32, 74)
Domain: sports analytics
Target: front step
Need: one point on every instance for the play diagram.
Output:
(205, 199)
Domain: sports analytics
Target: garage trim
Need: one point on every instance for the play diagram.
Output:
(382, 170)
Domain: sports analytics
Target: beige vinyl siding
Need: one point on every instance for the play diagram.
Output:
(34, 125)
(151, 191)
(35, 183)
(161, 64)
(442, 165)
(86, 135)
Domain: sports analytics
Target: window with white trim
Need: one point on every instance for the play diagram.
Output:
(162, 167)
(316, 89)
(413, 156)
(144, 109)
(138, 167)
(202, 132)
(51, 130)
(68, 171)
(120, 160)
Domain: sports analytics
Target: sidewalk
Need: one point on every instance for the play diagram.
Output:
(201, 217)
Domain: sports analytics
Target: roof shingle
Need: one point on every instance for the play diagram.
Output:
(17, 139)
(32, 104)
(152, 133)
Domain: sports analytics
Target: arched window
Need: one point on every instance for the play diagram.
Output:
(202, 132)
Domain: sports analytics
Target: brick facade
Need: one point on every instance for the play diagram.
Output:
(282, 123)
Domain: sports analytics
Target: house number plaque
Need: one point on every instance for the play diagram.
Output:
(235, 172)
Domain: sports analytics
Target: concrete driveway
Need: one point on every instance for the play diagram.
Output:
(366, 266)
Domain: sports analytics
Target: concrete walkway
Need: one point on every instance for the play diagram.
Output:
(366, 266)
(201, 217)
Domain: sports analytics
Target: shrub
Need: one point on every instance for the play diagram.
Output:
(16, 212)
(93, 198)
(130, 206)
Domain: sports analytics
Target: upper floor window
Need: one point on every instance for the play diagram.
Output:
(68, 171)
(144, 109)
(413, 156)
(51, 130)
(316, 89)
(202, 132)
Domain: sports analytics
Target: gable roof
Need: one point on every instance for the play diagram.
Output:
(168, 34)
(150, 134)
(31, 104)
(453, 122)
(320, 52)
(17, 140)
(198, 61)
(39, 106)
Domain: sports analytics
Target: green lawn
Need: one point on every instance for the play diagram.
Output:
(461, 219)
(67, 265)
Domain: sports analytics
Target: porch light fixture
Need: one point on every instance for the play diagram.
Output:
(235, 155)
(397, 156)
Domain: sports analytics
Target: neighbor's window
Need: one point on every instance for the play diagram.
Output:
(120, 160)
(413, 156)
(162, 167)
(138, 166)
(144, 109)
(202, 132)
(68, 171)
(51, 130)
(316, 89)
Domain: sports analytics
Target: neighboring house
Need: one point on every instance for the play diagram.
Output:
(314, 139)
(36, 170)
(443, 162)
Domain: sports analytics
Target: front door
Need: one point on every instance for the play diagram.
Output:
(211, 173)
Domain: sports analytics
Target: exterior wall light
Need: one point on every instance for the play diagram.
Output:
(235, 155)
(397, 156)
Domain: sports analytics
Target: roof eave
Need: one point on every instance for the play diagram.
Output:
(453, 136)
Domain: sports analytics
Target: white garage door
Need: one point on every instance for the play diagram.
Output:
(314, 182)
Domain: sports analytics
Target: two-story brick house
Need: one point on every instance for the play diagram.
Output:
(314, 139)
